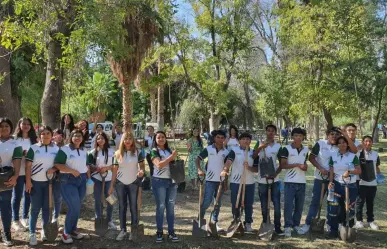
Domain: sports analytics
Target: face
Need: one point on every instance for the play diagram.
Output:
(245, 142)
(219, 139)
(77, 139)
(160, 139)
(195, 132)
(233, 132)
(342, 145)
(100, 141)
(67, 119)
(270, 133)
(99, 128)
(128, 141)
(332, 136)
(25, 126)
(151, 130)
(82, 125)
(367, 143)
(298, 138)
(5, 129)
(58, 138)
(119, 128)
(45, 136)
(351, 131)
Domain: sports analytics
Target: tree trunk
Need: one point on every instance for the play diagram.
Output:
(127, 106)
(375, 133)
(214, 120)
(153, 106)
(249, 110)
(316, 127)
(160, 108)
(328, 118)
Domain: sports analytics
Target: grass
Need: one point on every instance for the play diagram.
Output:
(187, 207)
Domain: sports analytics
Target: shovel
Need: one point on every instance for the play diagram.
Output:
(317, 224)
(267, 229)
(236, 224)
(347, 234)
(138, 229)
(51, 228)
(101, 224)
(212, 223)
(197, 230)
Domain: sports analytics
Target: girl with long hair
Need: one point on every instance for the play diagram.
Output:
(67, 126)
(194, 146)
(232, 140)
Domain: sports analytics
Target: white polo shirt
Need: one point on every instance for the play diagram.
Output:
(128, 167)
(165, 172)
(237, 156)
(100, 162)
(73, 158)
(216, 160)
(25, 143)
(42, 158)
(232, 143)
(294, 156)
(340, 164)
(10, 150)
(323, 151)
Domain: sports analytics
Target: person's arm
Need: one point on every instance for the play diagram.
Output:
(229, 160)
(189, 145)
(259, 148)
(351, 144)
(16, 162)
(313, 161)
(304, 167)
(357, 170)
(203, 155)
(377, 165)
(254, 169)
(156, 159)
(114, 176)
(29, 159)
(60, 164)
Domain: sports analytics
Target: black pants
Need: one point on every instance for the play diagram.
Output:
(149, 160)
(366, 195)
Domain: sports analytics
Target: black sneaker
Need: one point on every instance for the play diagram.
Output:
(172, 236)
(278, 231)
(7, 240)
(332, 235)
(159, 237)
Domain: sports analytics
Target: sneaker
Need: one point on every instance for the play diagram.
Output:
(278, 231)
(42, 235)
(121, 235)
(25, 223)
(297, 229)
(288, 232)
(359, 225)
(373, 226)
(305, 229)
(33, 240)
(7, 240)
(248, 228)
(76, 235)
(218, 228)
(328, 228)
(111, 226)
(172, 236)
(159, 237)
(17, 226)
(66, 239)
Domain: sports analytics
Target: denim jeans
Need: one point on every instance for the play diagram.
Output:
(315, 203)
(39, 200)
(5, 209)
(97, 199)
(336, 210)
(165, 195)
(56, 191)
(249, 201)
(210, 192)
(275, 198)
(127, 193)
(294, 203)
(73, 192)
(17, 194)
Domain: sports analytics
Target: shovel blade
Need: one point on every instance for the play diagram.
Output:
(101, 226)
(197, 230)
(235, 225)
(213, 230)
(266, 231)
(137, 232)
(51, 231)
(317, 225)
(347, 234)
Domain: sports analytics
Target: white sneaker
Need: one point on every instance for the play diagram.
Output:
(340, 226)
(33, 240)
(328, 228)
(17, 226)
(248, 228)
(25, 223)
(121, 235)
(66, 239)
(359, 225)
(42, 235)
(297, 229)
(218, 228)
(111, 226)
(130, 237)
(373, 226)
(305, 229)
(287, 232)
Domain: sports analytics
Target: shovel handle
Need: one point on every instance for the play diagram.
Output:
(242, 181)
(219, 191)
(321, 198)
(139, 202)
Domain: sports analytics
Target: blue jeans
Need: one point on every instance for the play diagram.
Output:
(210, 192)
(315, 203)
(275, 198)
(336, 210)
(249, 201)
(17, 194)
(127, 193)
(39, 200)
(56, 190)
(165, 195)
(97, 199)
(294, 203)
(5, 210)
(73, 192)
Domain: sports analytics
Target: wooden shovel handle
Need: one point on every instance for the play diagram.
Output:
(242, 181)
(321, 199)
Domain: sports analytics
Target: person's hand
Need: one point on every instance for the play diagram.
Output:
(324, 171)
(223, 173)
(246, 164)
(140, 173)
(200, 172)
(360, 147)
(111, 189)
(28, 186)
(174, 154)
(11, 181)
(331, 186)
(189, 147)
(346, 174)
(263, 145)
(75, 173)
(102, 170)
(302, 166)
(24, 153)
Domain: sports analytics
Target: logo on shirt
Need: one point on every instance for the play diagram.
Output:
(72, 156)
(37, 152)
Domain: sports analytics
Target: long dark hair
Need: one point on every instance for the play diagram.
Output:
(105, 149)
(345, 140)
(236, 131)
(75, 131)
(87, 134)
(8, 121)
(70, 125)
(166, 146)
(198, 138)
(31, 133)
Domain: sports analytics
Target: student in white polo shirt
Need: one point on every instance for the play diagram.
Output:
(71, 160)
(148, 143)
(11, 154)
(270, 148)
(40, 163)
(216, 154)
(236, 160)
(101, 161)
(293, 160)
(344, 168)
(354, 145)
(367, 185)
(117, 134)
(232, 140)
(129, 168)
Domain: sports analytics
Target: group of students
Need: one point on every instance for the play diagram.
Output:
(61, 153)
